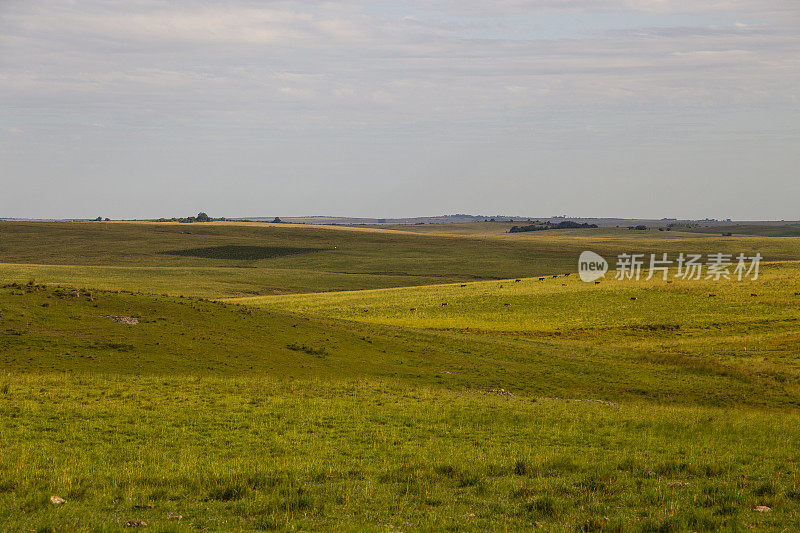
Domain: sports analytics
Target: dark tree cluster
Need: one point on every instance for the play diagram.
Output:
(541, 226)
(201, 217)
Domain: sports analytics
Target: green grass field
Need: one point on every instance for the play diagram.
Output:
(286, 377)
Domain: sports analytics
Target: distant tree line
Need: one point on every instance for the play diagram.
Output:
(201, 217)
(541, 226)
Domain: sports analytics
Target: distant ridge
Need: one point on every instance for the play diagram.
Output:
(465, 218)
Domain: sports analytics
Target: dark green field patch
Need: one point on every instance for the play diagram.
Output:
(241, 253)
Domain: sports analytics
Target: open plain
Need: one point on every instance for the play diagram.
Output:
(243, 376)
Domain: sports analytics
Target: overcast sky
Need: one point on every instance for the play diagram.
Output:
(634, 108)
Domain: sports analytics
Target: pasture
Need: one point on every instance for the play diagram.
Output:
(176, 377)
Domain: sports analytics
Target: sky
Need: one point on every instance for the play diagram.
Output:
(590, 108)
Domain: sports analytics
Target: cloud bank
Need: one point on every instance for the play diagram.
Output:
(399, 108)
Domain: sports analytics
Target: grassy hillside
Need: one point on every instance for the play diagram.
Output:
(51, 329)
(239, 418)
(202, 281)
(747, 328)
(562, 303)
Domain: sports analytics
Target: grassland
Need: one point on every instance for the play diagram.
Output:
(217, 259)
(558, 303)
(777, 230)
(209, 282)
(235, 405)
(752, 324)
(252, 453)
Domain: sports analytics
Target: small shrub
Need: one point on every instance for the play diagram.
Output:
(468, 479)
(722, 499)
(7, 485)
(560, 465)
(119, 346)
(297, 499)
(227, 492)
(594, 484)
(726, 509)
(445, 470)
(319, 352)
(34, 501)
(700, 522)
(543, 507)
(494, 470)
(672, 468)
(765, 489)
(651, 526)
(522, 468)
(591, 525)
(714, 470)
(266, 523)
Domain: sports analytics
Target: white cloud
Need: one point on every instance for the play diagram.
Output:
(296, 92)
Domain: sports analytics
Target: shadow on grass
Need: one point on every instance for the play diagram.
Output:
(233, 251)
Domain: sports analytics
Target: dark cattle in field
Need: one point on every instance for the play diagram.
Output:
(753, 294)
(566, 275)
(597, 283)
(464, 285)
(555, 275)
(633, 297)
(444, 303)
(711, 295)
(413, 309)
(797, 294)
(506, 304)
(517, 280)
(541, 279)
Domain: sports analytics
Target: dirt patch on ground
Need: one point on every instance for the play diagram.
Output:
(130, 320)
